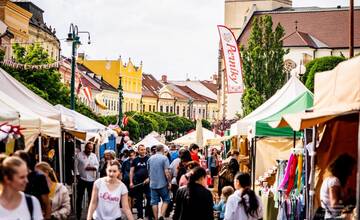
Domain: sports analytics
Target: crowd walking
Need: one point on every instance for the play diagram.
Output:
(138, 183)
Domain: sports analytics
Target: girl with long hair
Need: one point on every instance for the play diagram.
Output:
(108, 192)
(331, 191)
(194, 201)
(59, 195)
(243, 204)
(14, 204)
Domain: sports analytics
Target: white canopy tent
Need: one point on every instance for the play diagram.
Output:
(87, 125)
(292, 89)
(8, 114)
(148, 141)
(190, 138)
(33, 123)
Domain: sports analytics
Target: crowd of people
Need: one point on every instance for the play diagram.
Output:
(158, 183)
(164, 183)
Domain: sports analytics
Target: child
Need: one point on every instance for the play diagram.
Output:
(225, 193)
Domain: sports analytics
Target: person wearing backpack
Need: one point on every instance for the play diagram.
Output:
(243, 204)
(14, 204)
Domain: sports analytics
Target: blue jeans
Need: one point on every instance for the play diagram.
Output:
(162, 193)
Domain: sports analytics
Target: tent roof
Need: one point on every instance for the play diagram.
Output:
(190, 138)
(299, 104)
(82, 123)
(7, 113)
(149, 140)
(337, 92)
(26, 97)
(33, 123)
(280, 100)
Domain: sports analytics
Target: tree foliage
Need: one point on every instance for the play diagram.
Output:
(251, 99)
(263, 63)
(319, 65)
(206, 124)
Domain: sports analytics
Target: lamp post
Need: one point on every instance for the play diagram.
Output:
(190, 102)
(120, 89)
(74, 39)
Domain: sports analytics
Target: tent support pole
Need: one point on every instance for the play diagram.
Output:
(306, 187)
(294, 141)
(254, 164)
(251, 156)
(75, 178)
(358, 174)
(312, 175)
(39, 148)
(61, 158)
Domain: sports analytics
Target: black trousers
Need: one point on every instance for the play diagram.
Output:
(138, 193)
(81, 186)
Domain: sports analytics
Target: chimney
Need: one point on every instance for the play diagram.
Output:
(164, 78)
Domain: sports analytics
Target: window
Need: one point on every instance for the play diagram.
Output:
(161, 108)
(143, 109)
(137, 107)
(167, 109)
(199, 111)
(131, 106)
(177, 110)
(204, 113)
(153, 108)
(171, 109)
(183, 111)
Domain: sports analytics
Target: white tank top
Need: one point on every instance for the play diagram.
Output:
(108, 201)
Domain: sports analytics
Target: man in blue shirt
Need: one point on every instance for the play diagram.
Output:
(159, 175)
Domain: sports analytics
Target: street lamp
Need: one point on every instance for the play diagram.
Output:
(190, 102)
(120, 89)
(74, 39)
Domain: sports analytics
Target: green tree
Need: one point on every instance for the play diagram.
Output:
(263, 63)
(161, 120)
(206, 124)
(251, 99)
(133, 128)
(320, 65)
(44, 82)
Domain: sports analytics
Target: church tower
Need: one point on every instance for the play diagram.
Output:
(238, 11)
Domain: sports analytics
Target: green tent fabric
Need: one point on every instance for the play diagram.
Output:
(302, 102)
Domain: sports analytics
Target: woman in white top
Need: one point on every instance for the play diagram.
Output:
(13, 202)
(59, 195)
(331, 191)
(243, 204)
(107, 194)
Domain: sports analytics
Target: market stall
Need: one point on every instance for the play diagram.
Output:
(336, 117)
(190, 138)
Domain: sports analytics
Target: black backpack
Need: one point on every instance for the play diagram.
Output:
(30, 206)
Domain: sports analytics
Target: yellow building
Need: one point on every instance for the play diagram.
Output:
(111, 70)
(17, 20)
(25, 21)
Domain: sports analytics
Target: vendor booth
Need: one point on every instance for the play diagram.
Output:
(335, 121)
(190, 138)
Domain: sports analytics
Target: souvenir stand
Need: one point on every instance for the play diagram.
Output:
(267, 145)
(335, 120)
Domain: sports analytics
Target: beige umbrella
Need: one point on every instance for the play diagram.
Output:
(199, 133)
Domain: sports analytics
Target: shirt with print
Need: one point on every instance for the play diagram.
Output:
(157, 164)
(22, 212)
(140, 169)
(82, 161)
(108, 201)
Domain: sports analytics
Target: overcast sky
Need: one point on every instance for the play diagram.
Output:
(174, 37)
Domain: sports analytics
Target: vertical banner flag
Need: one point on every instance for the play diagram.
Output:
(232, 60)
(88, 94)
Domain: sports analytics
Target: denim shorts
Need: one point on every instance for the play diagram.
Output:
(162, 193)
